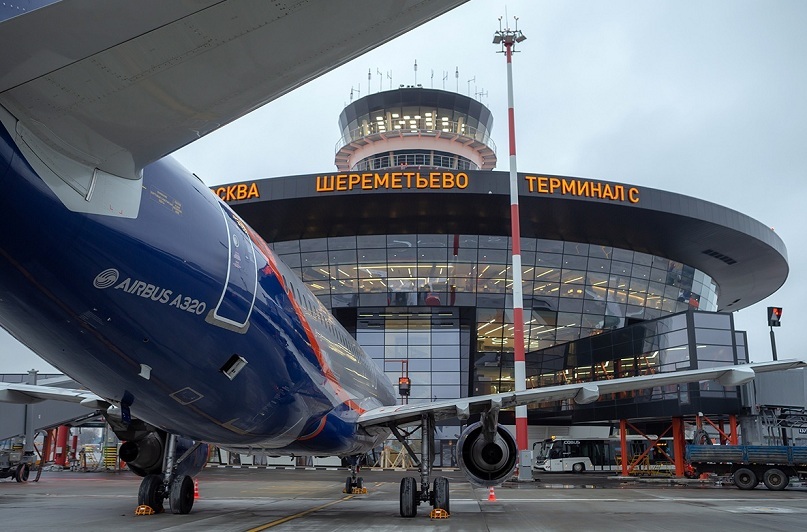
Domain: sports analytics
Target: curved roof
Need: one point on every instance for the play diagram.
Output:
(746, 258)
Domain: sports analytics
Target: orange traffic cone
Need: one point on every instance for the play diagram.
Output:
(195, 489)
(491, 495)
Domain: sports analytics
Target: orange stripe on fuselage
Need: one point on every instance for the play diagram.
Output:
(324, 366)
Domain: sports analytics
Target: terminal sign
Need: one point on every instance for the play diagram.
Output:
(580, 187)
(237, 191)
(392, 181)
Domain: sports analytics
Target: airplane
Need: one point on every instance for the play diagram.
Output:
(123, 270)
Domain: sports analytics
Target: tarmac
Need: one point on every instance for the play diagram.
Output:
(253, 499)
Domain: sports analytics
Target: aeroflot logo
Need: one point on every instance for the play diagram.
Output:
(109, 278)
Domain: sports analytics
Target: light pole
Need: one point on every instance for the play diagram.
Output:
(508, 38)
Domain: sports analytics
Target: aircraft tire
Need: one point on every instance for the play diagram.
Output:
(409, 497)
(349, 485)
(181, 496)
(359, 482)
(441, 498)
(151, 493)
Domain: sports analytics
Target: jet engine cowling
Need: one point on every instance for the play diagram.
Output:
(487, 461)
(144, 456)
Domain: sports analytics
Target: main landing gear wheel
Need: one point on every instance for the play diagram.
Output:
(441, 499)
(409, 497)
(151, 493)
(181, 496)
(21, 475)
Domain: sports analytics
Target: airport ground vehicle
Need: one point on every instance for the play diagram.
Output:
(13, 465)
(589, 454)
(749, 464)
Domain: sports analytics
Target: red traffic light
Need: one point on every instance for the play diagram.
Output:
(774, 316)
(404, 386)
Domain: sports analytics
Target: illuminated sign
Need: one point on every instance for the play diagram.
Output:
(392, 181)
(578, 187)
(237, 191)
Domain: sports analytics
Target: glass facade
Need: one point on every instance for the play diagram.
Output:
(683, 341)
(571, 291)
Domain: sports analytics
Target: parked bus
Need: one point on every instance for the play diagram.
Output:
(596, 454)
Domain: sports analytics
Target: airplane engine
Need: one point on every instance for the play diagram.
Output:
(144, 456)
(487, 462)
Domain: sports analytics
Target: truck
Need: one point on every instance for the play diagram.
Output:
(774, 465)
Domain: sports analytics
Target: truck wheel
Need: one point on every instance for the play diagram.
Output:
(775, 479)
(745, 479)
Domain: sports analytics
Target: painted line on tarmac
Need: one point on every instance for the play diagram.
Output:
(499, 498)
(298, 515)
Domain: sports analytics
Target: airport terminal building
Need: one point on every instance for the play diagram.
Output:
(407, 242)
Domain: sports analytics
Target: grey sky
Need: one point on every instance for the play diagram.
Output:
(702, 97)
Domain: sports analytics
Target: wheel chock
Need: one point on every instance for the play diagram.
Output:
(439, 513)
(359, 491)
(144, 509)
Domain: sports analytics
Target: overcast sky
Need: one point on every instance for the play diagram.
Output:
(706, 98)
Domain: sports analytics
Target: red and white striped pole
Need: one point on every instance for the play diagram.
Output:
(508, 39)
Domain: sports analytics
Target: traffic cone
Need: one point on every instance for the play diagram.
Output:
(491, 495)
(195, 489)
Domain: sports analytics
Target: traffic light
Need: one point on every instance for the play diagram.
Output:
(774, 316)
(404, 385)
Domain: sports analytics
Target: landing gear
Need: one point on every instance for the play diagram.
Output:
(353, 483)
(177, 488)
(410, 496)
(440, 494)
(181, 495)
(152, 493)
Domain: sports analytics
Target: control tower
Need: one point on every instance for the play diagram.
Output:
(415, 126)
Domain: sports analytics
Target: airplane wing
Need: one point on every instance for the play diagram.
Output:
(32, 393)
(116, 84)
(582, 393)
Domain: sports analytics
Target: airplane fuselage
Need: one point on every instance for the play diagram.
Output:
(159, 312)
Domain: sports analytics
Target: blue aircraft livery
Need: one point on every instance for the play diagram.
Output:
(122, 269)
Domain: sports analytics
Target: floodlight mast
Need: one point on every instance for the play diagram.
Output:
(508, 38)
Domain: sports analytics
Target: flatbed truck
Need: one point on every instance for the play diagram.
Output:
(773, 465)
